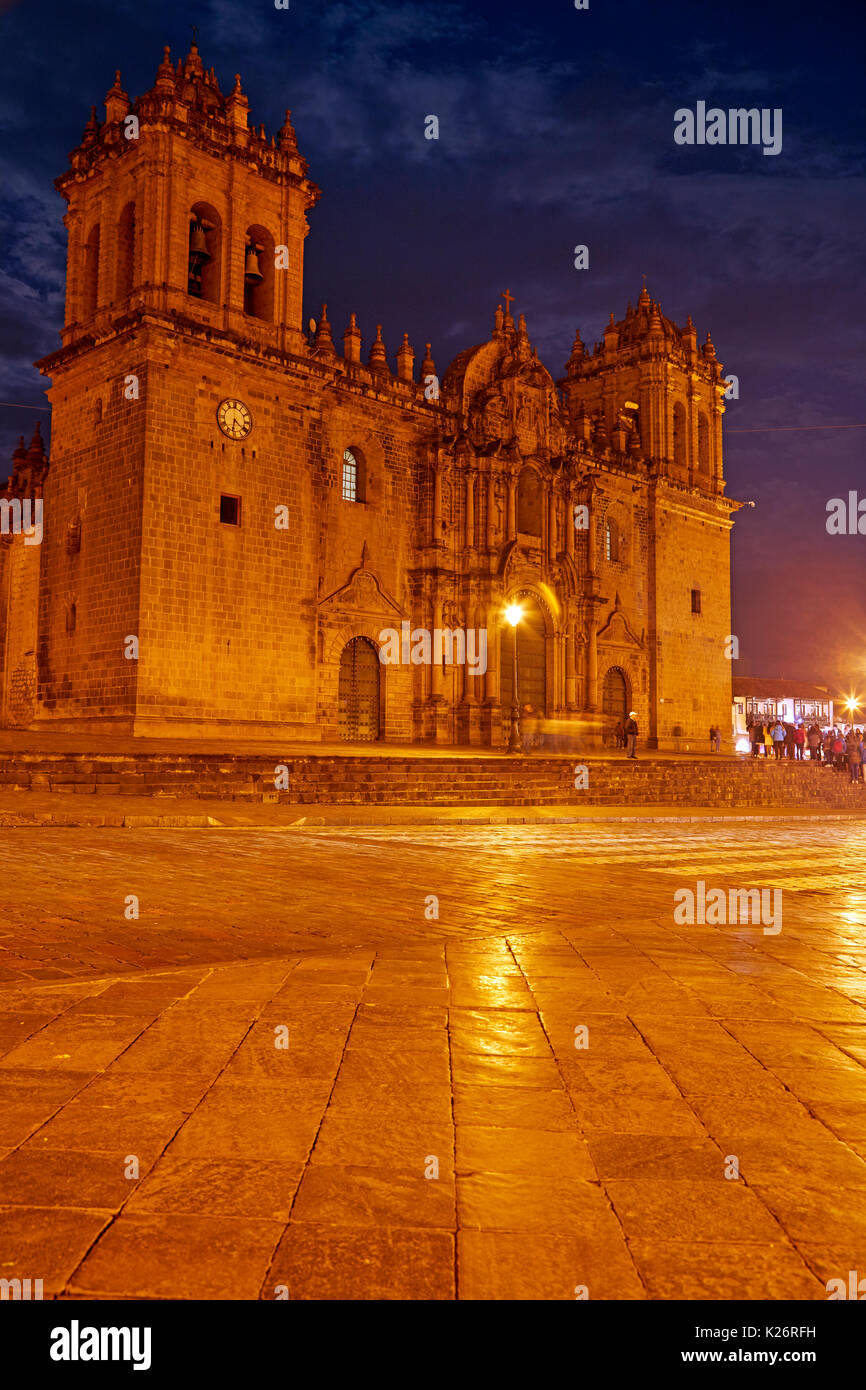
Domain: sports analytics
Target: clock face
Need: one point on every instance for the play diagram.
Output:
(234, 419)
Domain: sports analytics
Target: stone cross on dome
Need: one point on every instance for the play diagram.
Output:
(508, 297)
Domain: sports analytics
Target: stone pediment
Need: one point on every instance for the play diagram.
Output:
(362, 594)
(617, 632)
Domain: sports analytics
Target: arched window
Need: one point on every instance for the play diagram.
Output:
(259, 274)
(205, 253)
(354, 477)
(126, 252)
(611, 540)
(680, 434)
(703, 444)
(91, 272)
(529, 503)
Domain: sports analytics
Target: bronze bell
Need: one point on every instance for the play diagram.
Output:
(198, 242)
(252, 274)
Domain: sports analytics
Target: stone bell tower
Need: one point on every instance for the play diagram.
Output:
(176, 205)
(649, 373)
(186, 236)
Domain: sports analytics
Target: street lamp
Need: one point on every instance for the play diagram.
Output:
(851, 704)
(513, 614)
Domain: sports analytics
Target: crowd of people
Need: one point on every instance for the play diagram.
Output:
(833, 747)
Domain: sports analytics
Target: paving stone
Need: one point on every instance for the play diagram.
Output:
(723, 1212)
(333, 1262)
(840, 1212)
(681, 1271)
(251, 1122)
(404, 1143)
(354, 1196)
(372, 1102)
(92, 1180)
(174, 1255)
(501, 1032)
(530, 1265)
(523, 1152)
(513, 1107)
(484, 1070)
(540, 1202)
(206, 1187)
(655, 1156)
(41, 1242)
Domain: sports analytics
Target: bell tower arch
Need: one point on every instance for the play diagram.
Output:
(161, 198)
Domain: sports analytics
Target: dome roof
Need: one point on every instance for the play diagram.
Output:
(638, 322)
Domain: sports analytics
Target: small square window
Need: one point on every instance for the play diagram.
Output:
(696, 600)
(230, 510)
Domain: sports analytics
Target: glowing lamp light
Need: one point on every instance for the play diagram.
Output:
(743, 745)
(514, 613)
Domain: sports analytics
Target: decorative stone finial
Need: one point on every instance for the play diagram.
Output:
(405, 359)
(286, 138)
(378, 359)
(352, 341)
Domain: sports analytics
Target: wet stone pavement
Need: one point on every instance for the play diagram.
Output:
(288, 1076)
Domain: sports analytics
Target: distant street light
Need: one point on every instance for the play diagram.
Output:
(513, 614)
(851, 704)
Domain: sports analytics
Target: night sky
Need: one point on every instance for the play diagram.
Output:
(556, 129)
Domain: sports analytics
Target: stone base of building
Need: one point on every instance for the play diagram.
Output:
(154, 726)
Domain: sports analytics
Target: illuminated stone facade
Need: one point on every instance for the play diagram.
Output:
(224, 539)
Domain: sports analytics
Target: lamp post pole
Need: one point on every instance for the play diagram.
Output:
(515, 744)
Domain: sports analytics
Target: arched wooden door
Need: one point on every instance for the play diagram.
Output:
(614, 699)
(359, 692)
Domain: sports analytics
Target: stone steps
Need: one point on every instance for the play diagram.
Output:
(436, 780)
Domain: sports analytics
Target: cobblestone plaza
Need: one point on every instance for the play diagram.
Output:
(434, 1062)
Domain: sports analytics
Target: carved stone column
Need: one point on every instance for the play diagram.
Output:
(569, 523)
(437, 504)
(551, 524)
(512, 506)
(437, 684)
(470, 510)
(491, 510)
(570, 667)
(491, 679)
(592, 664)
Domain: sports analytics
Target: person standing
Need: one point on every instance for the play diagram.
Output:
(631, 732)
(757, 739)
(814, 737)
(799, 742)
(855, 759)
(712, 738)
(778, 737)
(718, 739)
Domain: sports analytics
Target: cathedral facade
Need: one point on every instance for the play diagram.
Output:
(237, 508)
